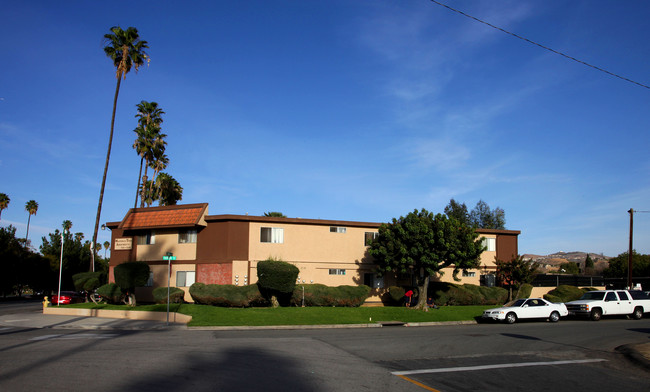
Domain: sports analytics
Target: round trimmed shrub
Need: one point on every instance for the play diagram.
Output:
(87, 281)
(176, 295)
(131, 274)
(111, 293)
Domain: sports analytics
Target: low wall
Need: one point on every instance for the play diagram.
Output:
(538, 292)
(120, 314)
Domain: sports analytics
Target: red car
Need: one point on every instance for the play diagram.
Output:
(68, 297)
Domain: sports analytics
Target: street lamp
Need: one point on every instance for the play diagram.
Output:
(58, 298)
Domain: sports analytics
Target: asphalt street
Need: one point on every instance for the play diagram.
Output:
(572, 355)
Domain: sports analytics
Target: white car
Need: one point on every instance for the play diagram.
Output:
(527, 308)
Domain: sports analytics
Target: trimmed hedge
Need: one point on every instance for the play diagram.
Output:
(131, 274)
(396, 295)
(227, 295)
(524, 291)
(276, 275)
(466, 294)
(176, 295)
(110, 292)
(321, 295)
(566, 293)
(87, 281)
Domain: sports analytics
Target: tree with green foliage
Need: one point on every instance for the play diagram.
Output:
(148, 136)
(515, 272)
(4, 202)
(276, 279)
(458, 211)
(589, 265)
(275, 214)
(31, 207)
(425, 244)
(569, 268)
(130, 275)
(618, 265)
(168, 190)
(21, 268)
(483, 217)
(126, 50)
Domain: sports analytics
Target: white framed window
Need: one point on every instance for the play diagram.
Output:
(147, 239)
(185, 278)
(369, 236)
(469, 274)
(337, 271)
(337, 229)
(274, 235)
(187, 237)
(490, 244)
(150, 280)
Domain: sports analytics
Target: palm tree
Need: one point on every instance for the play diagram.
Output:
(169, 190)
(31, 207)
(160, 163)
(148, 134)
(4, 202)
(106, 246)
(126, 49)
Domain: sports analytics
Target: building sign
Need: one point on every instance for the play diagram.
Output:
(123, 243)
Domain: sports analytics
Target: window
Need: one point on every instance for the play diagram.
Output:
(336, 229)
(273, 235)
(150, 280)
(337, 271)
(490, 244)
(370, 236)
(147, 239)
(373, 281)
(185, 278)
(469, 274)
(187, 237)
(611, 297)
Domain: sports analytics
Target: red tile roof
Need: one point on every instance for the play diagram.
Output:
(159, 217)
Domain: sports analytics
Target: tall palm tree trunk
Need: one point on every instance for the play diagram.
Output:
(101, 192)
(27, 235)
(137, 190)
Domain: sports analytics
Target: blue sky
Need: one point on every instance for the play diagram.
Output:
(352, 110)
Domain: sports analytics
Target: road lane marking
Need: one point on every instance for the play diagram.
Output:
(419, 384)
(16, 321)
(497, 366)
(75, 336)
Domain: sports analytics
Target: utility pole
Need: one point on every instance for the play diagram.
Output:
(629, 253)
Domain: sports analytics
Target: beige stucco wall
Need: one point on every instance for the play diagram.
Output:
(314, 250)
(165, 242)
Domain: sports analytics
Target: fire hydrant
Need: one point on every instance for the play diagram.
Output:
(46, 303)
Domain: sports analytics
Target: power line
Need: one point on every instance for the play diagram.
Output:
(540, 45)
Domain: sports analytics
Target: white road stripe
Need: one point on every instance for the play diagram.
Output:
(75, 336)
(15, 321)
(499, 366)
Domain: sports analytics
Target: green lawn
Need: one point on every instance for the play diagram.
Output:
(205, 315)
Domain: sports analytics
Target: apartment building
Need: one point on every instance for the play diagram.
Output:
(225, 249)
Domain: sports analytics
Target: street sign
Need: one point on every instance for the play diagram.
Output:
(169, 257)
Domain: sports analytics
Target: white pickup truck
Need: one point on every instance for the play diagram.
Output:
(596, 304)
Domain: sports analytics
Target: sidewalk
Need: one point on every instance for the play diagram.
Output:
(40, 320)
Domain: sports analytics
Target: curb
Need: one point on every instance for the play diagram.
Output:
(329, 326)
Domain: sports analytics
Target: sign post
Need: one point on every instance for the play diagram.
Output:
(169, 257)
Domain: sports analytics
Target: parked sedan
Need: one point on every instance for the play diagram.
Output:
(527, 308)
(68, 297)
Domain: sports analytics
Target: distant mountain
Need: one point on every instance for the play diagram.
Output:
(550, 263)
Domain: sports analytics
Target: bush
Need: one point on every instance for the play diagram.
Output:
(467, 294)
(110, 292)
(131, 275)
(276, 275)
(524, 291)
(566, 293)
(227, 295)
(87, 281)
(176, 295)
(396, 295)
(321, 295)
